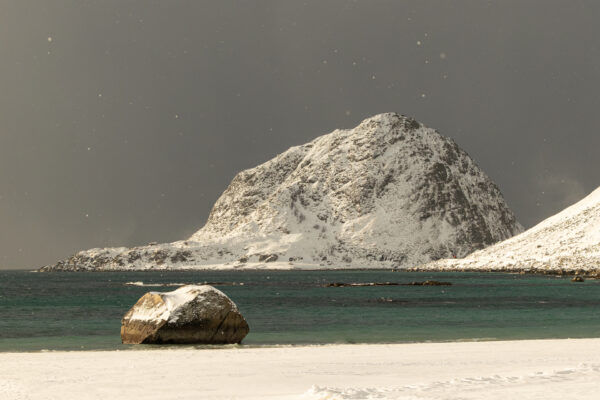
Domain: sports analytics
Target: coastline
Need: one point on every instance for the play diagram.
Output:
(556, 369)
(565, 272)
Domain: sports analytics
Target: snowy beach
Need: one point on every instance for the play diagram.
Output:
(528, 369)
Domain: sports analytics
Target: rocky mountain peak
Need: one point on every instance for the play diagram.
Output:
(389, 193)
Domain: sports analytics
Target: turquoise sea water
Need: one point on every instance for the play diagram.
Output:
(75, 311)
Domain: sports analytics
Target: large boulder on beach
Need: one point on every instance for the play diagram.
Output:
(189, 315)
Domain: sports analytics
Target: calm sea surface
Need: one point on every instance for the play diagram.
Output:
(74, 311)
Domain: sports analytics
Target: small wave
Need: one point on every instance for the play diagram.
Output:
(140, 283)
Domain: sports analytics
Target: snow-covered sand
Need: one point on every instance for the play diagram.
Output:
(536, 369)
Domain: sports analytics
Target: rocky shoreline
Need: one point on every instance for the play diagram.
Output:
(559, 272)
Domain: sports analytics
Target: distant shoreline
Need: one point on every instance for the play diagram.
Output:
(591, 274)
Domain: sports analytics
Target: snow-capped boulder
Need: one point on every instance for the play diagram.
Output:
(190, 314)
(388, 193)
(566, 243)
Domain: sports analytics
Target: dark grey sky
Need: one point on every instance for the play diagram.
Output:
(121, 122)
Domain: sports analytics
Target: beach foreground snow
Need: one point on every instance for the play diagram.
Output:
(529, 369)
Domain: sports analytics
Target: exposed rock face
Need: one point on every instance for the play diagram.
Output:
(190, 314)
(388, 193)
(566, 243)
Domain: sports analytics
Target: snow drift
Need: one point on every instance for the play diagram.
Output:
(568, 242)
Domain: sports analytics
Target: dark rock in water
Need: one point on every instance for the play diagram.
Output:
(343, 284)
(428, 283)
(336, 284)
(425, 283)
(188, 315)
(577, 279)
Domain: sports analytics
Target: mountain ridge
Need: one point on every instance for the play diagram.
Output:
(565, 243)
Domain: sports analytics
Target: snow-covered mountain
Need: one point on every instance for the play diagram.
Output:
(568, 242)
(388, 193)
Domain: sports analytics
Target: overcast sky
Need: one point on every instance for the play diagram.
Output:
(121, 122)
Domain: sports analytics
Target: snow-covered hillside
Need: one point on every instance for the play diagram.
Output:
(568, 242)
(388, 193)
